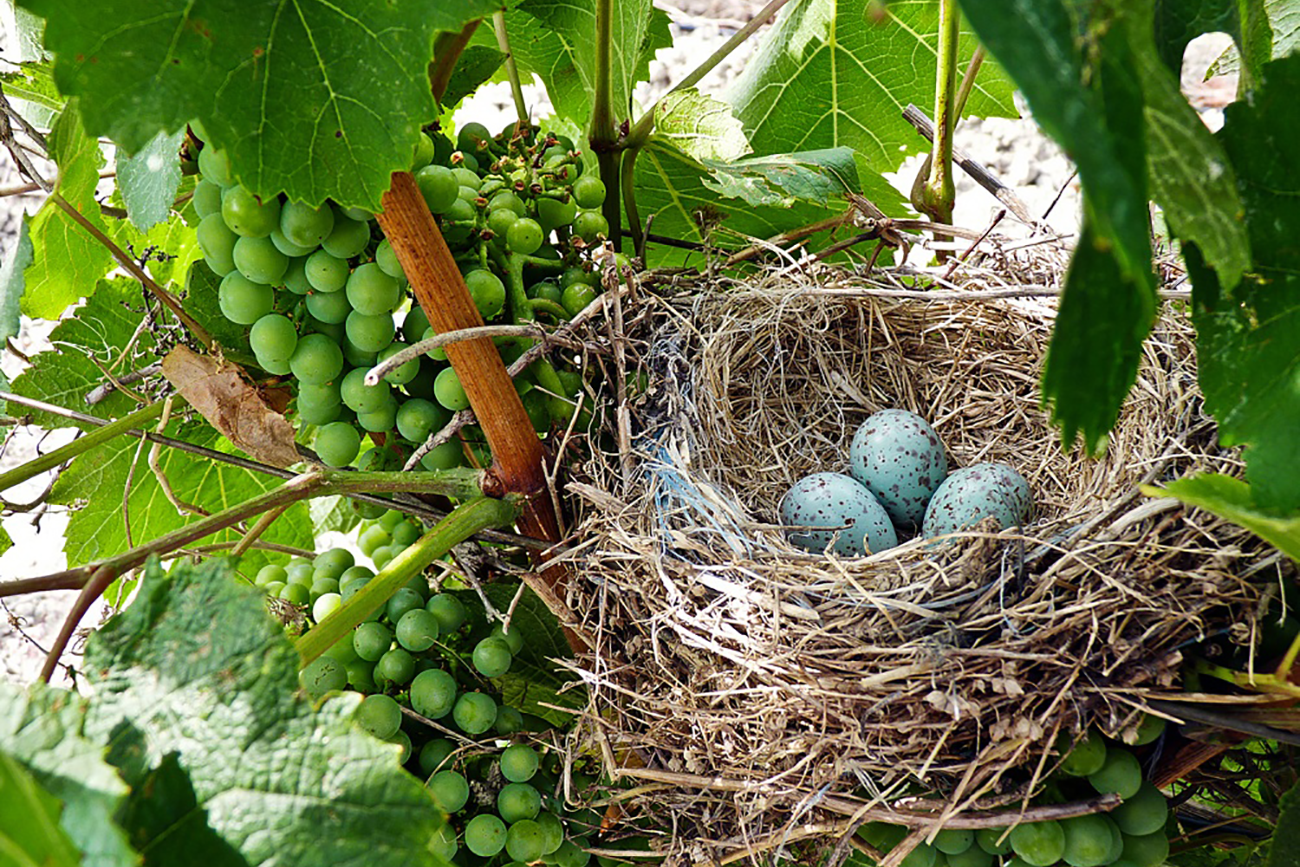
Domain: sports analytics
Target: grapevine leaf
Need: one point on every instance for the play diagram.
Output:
(29, 823)
(700, 126)
(534, 680)
(11, 284)
(1085, 91)
(840, 72)
(148, 180)
(476, 64)
(95, 483)
(1178, 22)
(1285, 851)
(1233, 500)
(333, 513)
(1248, 335)
(100, 332)
(24, 30)
(557, 41)
(68, 260)
(42, 728)
(1191, 178)
(6, 542)
(783, 179)
(30, 89)
(316, 99)
(195, 668)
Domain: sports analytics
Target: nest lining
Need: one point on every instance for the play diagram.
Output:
(723, 653)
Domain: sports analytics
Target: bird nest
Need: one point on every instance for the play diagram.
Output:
(760, 693)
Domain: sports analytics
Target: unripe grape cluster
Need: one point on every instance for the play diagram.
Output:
(1132, 835)
(324, 297)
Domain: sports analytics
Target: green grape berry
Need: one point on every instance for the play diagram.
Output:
(217, 243)
(1146, 850)
(972, 857)
(1041, 844)
(519, 762)
(260, 261)
(242, 301)
(371, 291)
(474, 712)
(433, 693)
(518, 801)
(438, 186)
(289, 248)
(417, 418)
(348, 237)
(380, 715)
(488, 292)
(329, 307)
(492, 657)
(1087, 840)
(214, 165)
(1121, 773)
(247, 215)
(509, 721)
(338, 443)
(361, 675)
(323, 675)
(524, 236)
(325, 605)
(316, 360)
(207, 198)
(589, 192)
(450, 791)
(590, 226)
(402, 601)
(372, 640)
(1083, 757)
(434, 755)
(273, 337)
(370, 333)
(304, 225)
(514, 639)
(576, 296)
(994, 841)
(1145, 812)
(954, 841)
(417, 630)
(552, 831)
(449, 392)
(525, 841)
(397, 666)
(485, 835)
(404, 373)
(333, 563)
(326, 273)
(553, 213)
(449, 610)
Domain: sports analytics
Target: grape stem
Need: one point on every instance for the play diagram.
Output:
(512, 69)
(424, 347)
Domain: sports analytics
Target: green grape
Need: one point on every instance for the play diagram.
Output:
(217, 243)
(492, 657)
(382, 556)
(1146, 850)
(406, 533)
(500, 221)
(321, 586)
(414, 326)
(1039, 843)
(390, 519)
(472, 137)
(304, 225)
(207, 198)
(1143, 813)
(368, 511)
(372, 640)
(1087, 841)
(371, 291)
(424, 151)
(449, 392)
(323, 675)
(438, 186)
(538, 411)
(342, 650)
(403, 740)
(461, 211)
(434, 754)
(386, 259)
(361, 675)
(488, 292)
(547, 290)
(513, 639)
(273, 589)
(552, 831)
(467, 176)
(519, 762)
(329, 307)
(353, 579)
(377, 458)
(356, 357)
(590, 226)
(417, 630)
(589, 191)
(214, 165)
(972, 857)
(468, 195)
(338, 443)
(325, 605)
(572, 853)
(289, 248)
(433, 693)
(553, 213)
(449, 610)
(1121, 774)
(397, 665)
(318, 404)
(326, 273)
(295, 593)
(508, 200)
(576, 297)
(404, 600)
(360, 397)
(524, 236)
(1150, 728)
(509, 721)
(274, 337)
(370, 333)
(450, 791)
(525, 841)
(380, 715)
(333, 563)
(270, 572)
(317, 359)
(474, 713)
(921, 856)
(485, 835)
(1082, 758)
(417, 418)
(405, 372)
(954, 841)
(242, 301)
(348, 237)
(444, 457)
(295, 278)
(247, 215)
(380, 420)
(443, 843)
(518, 801)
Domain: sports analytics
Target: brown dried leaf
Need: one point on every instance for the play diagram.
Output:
(233, 406)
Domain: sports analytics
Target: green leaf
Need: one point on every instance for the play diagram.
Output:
(534, 680)
(1178, 22)
(1248, 335)
(148, 180)
(201, 302)
(317, 99)
(1191, 178)
(700, 126)
(1285, 851)
(1075, 63)
(68, 260)
(29, 824)
(96, 481)
(30, 89)
(557, 41)
(18, 260)
(196, 668)
(476, 64)
(784, 179)
(42, 728)
(332, 513)
(1233, 500)
(840, 72)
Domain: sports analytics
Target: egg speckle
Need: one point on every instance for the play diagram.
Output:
(973, 493)
(842, 505)
(900, 459)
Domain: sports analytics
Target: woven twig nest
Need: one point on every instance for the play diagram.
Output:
(758, 682)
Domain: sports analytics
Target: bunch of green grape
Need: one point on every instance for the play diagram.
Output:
(1132, 835)
(325, 298)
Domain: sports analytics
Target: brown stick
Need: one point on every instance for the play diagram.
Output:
(439, 288)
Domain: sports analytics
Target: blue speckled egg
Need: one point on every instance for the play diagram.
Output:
(834, 500)
(900, 459)
(973, 493)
